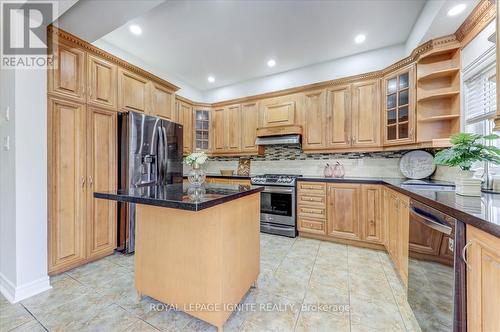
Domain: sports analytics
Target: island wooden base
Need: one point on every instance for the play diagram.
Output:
(201, 262)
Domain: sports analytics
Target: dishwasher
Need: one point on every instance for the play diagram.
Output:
(436, 274)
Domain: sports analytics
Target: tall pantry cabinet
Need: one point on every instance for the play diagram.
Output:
(82, 149)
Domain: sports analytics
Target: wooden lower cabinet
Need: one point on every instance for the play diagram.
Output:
(82, 158)
(102, 176)
(234, 182)
(67, 184)
(343, 213)
(483, 281)
(397, 214)
(372, 223)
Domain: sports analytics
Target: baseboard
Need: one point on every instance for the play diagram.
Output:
(15, 294)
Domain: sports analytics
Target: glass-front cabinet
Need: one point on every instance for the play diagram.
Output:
(201, 131)
(398, 100)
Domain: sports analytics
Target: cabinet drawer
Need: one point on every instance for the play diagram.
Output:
(312, 200)
(311, 226)
(312, 212)
(312, 188)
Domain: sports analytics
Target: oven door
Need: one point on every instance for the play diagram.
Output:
(277, 205)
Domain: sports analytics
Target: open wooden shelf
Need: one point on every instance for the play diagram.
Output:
(439, 73)
(439, 95)
(440, 118)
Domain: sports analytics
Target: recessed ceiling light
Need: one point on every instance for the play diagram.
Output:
(359, 39)
(271, 63)
(135, 29)
(211, 79)
(455, 10)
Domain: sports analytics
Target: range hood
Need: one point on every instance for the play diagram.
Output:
(289, 134)
(275, 140)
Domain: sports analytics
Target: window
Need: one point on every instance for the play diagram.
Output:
(201, 129)
(480, 101)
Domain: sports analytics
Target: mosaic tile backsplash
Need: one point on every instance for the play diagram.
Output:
(294, 152)
(289, 159)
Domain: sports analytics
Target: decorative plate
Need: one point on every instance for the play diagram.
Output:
(417, 164)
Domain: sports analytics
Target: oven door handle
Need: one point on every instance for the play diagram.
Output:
(432, 223)
(278, 190)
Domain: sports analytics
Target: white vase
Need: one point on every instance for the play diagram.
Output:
(196, 175)
(467, 185)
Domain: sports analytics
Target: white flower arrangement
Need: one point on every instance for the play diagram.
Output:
(196, 159)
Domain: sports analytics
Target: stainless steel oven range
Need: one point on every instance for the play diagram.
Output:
(277, 204)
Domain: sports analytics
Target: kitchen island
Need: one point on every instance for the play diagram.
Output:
(196, 250)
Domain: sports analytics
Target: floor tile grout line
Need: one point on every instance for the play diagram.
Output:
(36, 319)
(393, 294)
(308, 284)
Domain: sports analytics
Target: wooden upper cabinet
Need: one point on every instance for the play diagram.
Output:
(67, 78)
(343, 210)
(398, 107)
(185, 117)
(101, 79)
(314, 120)
(219, 131)
(162, 102)
(249, 124)
(372, 223)
(338, 117)
(233, 118)
(101, 176)
(483, 281)
(133, 92)
(67, 179)
(278, 111)
(366, 114)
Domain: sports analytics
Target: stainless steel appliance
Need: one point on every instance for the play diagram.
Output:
(150, 153)
(277, 204)
(436, 274)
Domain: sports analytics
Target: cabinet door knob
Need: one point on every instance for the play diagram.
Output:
(464, 254)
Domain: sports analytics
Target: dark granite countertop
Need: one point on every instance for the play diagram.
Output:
(481, 212)
(218, 175)
(179, 196)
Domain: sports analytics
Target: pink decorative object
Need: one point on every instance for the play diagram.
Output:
(338, 170)
(328, 171)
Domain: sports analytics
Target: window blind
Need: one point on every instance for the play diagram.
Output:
(480, 96)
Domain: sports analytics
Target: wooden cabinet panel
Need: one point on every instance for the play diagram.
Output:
(219, 132)
(249, 124)
(101, 78)
(133, 92)
(185, 117)
(402, 237)
(67, 179)
(67, 79)
(308, 225)
(101, 176)
(240, 182)
(277, 111)
(311, 212)
(343, 210)
(483, 281)
(312, 188)
(314, 121)
(162, 102)
(310, 200)
(372, 221)
(233, 118)
(366, 114)
(338, 117)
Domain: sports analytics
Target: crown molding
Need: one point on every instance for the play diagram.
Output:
(481, 16)
(57, 35)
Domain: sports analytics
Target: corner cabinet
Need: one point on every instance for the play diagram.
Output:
(82, 158)
(202, 130)
(483, 280)
(398, 103)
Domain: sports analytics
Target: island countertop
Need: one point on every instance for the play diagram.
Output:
(180, 196)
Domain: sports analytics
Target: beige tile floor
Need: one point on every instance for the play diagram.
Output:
(304, 285)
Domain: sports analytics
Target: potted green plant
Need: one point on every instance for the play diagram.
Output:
(467, 149)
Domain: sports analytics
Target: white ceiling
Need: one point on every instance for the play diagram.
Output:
(232, 40)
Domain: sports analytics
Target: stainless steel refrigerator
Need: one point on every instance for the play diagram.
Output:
(150, 153)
